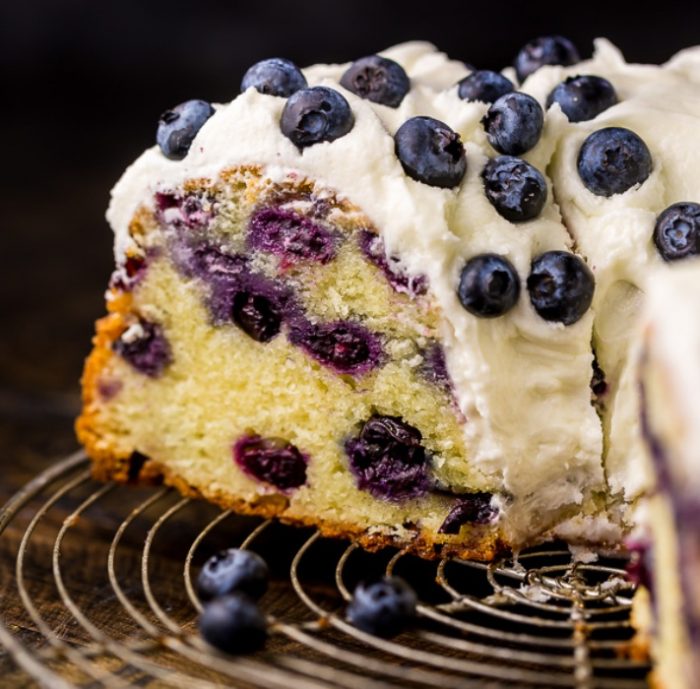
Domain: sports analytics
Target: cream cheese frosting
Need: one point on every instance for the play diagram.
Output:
(521, 382)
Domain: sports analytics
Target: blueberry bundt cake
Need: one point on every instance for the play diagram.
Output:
(394, 298)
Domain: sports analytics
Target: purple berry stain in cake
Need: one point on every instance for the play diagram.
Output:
(388, 459)
(190, 211)
(132, 271)
(345, 347)
(144, 346)
(271, 460)
(372, 247)
(474, 508)
(290, 236)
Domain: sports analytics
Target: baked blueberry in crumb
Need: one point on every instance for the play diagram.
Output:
(545, 50)
(233, 571)
(257, 315)
(274, 77)
(382, 608)
(178, 127)
(233, 624)
(430, 152)
(435, 367)
(516, 189)
(144, 346)
(474, 508)
(513, 123)
(388, 459)
(316, 114)
(377, 79)
(344, 346)
(583, 97)
(613, 160)
(484, 86)
(677, 231)
(561, 287)
(290, 236)
(189, 211)
(271, 460)
(489, 286)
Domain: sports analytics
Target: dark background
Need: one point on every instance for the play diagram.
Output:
(83, 84)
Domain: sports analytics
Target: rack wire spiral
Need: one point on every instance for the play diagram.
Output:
(544, 620)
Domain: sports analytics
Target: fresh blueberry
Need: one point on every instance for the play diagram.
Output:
(316, 114)
(257, 315)
(516, 189)
(382, 608)
(484, 86)
(513, 124)
(612, 160)
(377, 79)
(677, 231)
(488, 286)
(233, 571)
(561, 287)
(546, 50)
(145, 347)
(271, 460)
(475, 508)
(233, 624)
(274, 77)
(178, 127)
(388, 459)
(343, 346)
(583, 97)
(430, 152)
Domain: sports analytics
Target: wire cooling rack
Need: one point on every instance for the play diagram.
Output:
(98, 592)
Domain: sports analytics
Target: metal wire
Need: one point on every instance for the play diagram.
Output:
(544, 620)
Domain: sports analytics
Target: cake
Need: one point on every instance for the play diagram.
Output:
(394, 299)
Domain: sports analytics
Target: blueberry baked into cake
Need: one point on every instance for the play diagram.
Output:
(395, 299)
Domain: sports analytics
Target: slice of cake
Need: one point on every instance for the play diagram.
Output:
(357, 296)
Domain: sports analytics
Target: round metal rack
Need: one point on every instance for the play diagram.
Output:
(99, 592)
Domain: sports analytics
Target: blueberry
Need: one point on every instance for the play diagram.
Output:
(316, 114)
(178, 127)
(343, 346)
(514, 123)
(388, 459)
(430, 152)
(256, 315)
(475, 508)
(274, 77)
(546, 50)
(612, 160)
(516, 189)
(583, 97)
(677, 231)
(233, 624)
(233, 571)
(290, 235)
(383, 608)
(561, 287)
(488, 286)
(377, 79)
(145, 347)
(271, 460)
(484, 86)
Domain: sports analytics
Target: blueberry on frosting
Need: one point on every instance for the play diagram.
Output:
(274, 77)
(561, 287)
(377, 79)
(516, 189)
(178, 127)
(488, 286)
(677, 231)
(513, 123)
(316, 114)
(612, 160)
(583, 97)
(545, 50)
(484, 86)
(430, 152)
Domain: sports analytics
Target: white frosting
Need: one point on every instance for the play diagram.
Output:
(521, 382)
